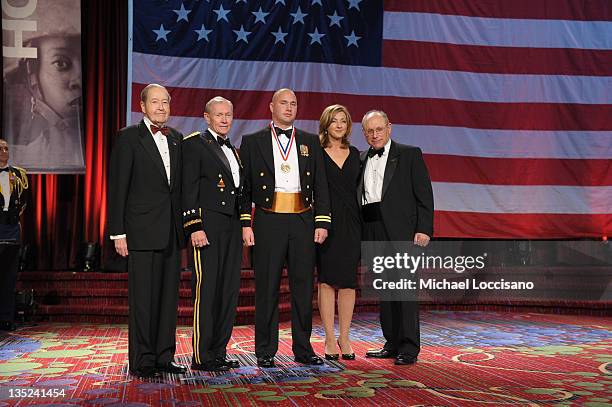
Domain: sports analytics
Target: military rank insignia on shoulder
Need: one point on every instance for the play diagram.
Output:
(194, 134)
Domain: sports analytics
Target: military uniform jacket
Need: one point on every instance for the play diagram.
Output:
(258, 163)
(207, 180)
(9, 224)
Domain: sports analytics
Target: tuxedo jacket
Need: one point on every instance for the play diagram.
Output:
(18, 184)
(207, 180)
(407, 205)
(141, 204)
(258, 162)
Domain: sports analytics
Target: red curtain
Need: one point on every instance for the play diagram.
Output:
(67, 210)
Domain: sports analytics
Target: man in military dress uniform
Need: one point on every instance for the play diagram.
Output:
(285, 179)
(211, 188)
(13, 184)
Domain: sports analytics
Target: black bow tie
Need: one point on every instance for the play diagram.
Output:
(280, 132)
(224, 141)
(4, 169)
(372, 152)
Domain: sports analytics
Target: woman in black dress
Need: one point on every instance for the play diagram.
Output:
(338, 257)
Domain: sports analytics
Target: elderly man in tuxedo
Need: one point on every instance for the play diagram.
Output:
(145, 223)
(396, 200)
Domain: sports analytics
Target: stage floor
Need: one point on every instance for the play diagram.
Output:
(467, 359)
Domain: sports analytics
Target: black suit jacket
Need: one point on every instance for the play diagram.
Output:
(407, 198)
(141, 204)
(207, 180)
(258, 161)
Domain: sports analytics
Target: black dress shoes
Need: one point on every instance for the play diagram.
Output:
(147, 372)
(231, 363)
(212, 366)
(381, 354)
(172, 368)
(265, 361)
(404, 359)
(309, 360)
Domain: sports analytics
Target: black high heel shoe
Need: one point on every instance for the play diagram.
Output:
(332, 356)
(346, 356)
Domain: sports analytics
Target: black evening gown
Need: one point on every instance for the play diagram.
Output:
(338, 257)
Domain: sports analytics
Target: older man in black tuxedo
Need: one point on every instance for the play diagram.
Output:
(145, 217)
(396, 199)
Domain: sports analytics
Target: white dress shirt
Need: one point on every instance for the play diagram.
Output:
(374, 175)
(161, 142)
(286, 181)
(231, 158)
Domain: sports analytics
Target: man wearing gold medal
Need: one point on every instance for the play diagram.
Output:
(285, 179)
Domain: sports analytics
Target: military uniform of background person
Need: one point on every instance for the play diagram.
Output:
(211, 189)
(42, 115)
(13, 185)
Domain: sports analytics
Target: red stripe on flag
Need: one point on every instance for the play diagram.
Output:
(503, 60)
(254, 105)
(520, 226)
(586, 10)
(519, 171)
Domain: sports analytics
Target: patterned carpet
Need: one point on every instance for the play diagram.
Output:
(467, 359)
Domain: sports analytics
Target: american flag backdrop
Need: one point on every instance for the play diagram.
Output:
(510, 100)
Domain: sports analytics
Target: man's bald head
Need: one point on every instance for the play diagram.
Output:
(283, 107)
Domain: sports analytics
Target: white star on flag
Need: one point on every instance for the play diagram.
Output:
(203, 33)
(221, 13)
(161, 33)
(315, 36)
(354, 3)
(335, 19)
(352, 39)
(242, 34)
(279, 36)
(298, 16)
(182, 13)
(260, 15)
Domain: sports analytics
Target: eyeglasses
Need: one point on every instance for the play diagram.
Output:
(378, 130)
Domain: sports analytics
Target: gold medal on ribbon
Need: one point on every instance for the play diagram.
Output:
(285, 167)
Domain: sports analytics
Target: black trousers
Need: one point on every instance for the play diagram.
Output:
(9, 263)
(280, 237)
(216, 285)
(399, 320)
(153, 281)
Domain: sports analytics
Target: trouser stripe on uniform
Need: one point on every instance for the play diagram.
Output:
(197, 263)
